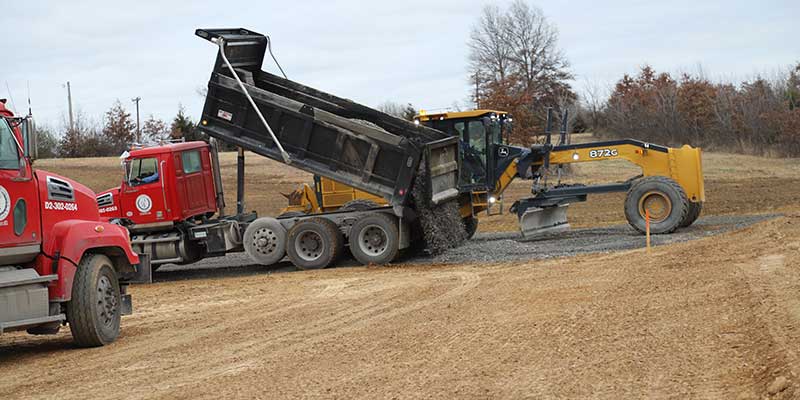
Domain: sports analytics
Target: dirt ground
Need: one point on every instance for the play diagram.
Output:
(712, 318)
(716, 317)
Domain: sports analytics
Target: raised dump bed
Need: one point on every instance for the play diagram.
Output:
(321, 133)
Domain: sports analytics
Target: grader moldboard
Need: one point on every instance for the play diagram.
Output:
(670, 188)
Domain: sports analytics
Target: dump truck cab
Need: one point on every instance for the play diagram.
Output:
(59, 264)
(161, 186)
(171, 200)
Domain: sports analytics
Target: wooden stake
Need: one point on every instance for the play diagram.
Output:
(647, 228)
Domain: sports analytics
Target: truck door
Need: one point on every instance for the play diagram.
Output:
(19, 203)
(143, 193)
(194, 182)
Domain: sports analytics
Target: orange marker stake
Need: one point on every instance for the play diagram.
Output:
(647, 228)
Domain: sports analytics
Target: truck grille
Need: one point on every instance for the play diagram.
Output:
(59, 190)
(105, 200)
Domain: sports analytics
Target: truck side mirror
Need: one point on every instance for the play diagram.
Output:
(29, 138)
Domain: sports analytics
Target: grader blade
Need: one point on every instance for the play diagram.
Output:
(537, 222)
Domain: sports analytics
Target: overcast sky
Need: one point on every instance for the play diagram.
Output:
(369, 51)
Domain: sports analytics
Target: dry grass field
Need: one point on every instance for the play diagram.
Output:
(712, 318)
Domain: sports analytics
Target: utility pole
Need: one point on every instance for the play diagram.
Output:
(138, 130)
(69, 101)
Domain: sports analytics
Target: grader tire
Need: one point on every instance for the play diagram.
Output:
(470, 226)
(94, 312)
(663, 197)
(693, 214)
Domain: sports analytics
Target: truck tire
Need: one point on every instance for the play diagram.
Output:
(470, 226)
(374, 239)
(314, 243)
(663, 197)
(265, 241)
(359, 205)
(94, 311)
(693, 214)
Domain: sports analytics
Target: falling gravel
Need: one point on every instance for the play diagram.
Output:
(441, 223)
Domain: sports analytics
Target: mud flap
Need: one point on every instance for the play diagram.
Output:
(537, 222)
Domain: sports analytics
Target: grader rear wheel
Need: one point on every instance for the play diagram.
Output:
(662, 198)
(694, 212)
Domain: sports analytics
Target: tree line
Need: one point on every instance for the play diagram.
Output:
(116, 133)
(515, 65)
(759, 116)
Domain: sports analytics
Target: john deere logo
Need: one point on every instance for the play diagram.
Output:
(144, 203)
(502, 152)
(5, 203)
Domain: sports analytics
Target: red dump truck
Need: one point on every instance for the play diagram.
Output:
(59, 264)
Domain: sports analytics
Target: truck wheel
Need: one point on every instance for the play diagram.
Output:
(314, 243)
(359, 205)
(663, 198)
(374, 239)
(94, 311)
(265, 241)
(470, 226)
(693, 214)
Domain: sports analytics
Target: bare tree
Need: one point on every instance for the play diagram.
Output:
(516, 66)
(533, 41)
(406, 112)
(156, 130)
(490, 46)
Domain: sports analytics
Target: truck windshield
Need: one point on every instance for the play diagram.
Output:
(9, 154)
(141, 171)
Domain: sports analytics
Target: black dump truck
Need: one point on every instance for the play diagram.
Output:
(415, 168)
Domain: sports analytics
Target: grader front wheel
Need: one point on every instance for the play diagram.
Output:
(660, 197)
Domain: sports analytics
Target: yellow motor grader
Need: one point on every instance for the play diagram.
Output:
(669, 191)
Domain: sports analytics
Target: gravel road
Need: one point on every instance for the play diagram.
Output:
(490, 247)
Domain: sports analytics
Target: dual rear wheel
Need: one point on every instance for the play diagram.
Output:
(317, 242)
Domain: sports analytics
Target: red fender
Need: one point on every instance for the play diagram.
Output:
(71, 239)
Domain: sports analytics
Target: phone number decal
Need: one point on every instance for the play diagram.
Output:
(60, 206)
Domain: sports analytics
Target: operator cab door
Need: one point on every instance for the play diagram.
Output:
(143, 193)
(19, 203)
(473, 154)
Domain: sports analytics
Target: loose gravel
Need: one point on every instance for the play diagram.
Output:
(489, 248)
(505, 246)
